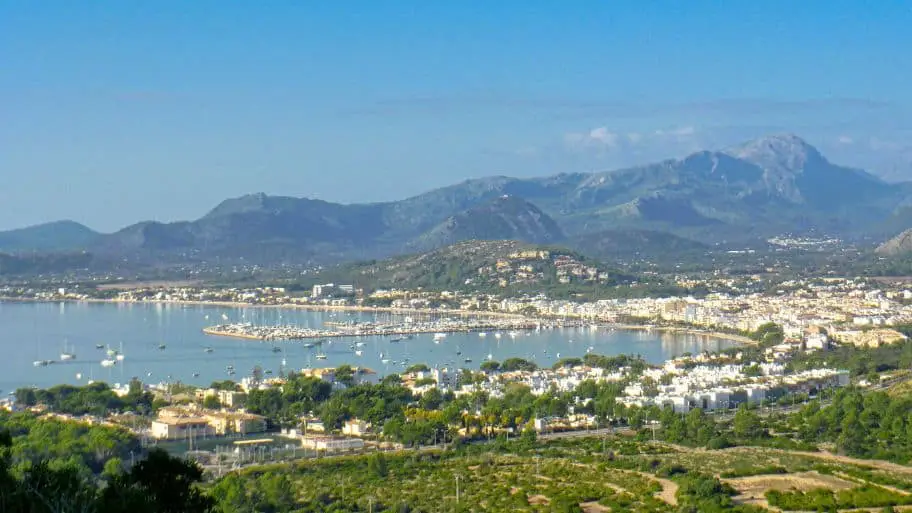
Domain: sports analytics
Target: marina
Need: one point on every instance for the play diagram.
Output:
(438, 327)
(115, 342)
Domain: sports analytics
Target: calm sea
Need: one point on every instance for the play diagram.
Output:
(42, 331)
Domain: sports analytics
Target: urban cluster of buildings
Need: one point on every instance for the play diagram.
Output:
(185, 422)
(849, 310)
(527, 267)
(713, 387)
(682, 384)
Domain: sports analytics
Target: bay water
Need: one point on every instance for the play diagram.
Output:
(164, 342)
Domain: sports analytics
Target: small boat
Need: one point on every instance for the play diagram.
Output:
(458, 353)
(196, 374)
(385, 361)
(557, 355)
(99, 346)
(359, 344)
(439, 336)
(40, 363)
(497, 335)
(78, 375)
(468, 360)
(231, 372)
(268, 371)
(397, 339)
(320, 357)
(208, 350)
(490, 356)
(276, 349)
(66, 355)
(120, 357)
(111, 352)
(161, 347)
(358, 352)
(482, 334)
(308, 345)
(229, 367)
(107, 362)
(513, 334)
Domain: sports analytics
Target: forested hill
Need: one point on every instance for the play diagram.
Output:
(499, 267)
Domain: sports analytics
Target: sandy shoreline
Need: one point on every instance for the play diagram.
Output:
(739, 339)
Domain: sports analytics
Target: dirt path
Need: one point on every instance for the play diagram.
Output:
(886, 466)
(669, 491)
(861, 480)
(752, 489)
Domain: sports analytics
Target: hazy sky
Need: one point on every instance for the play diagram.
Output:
(115, 112)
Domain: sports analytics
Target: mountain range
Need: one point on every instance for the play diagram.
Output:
(765, 187)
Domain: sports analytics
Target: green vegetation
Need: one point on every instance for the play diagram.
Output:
(861, 361)
(867, 425)
(158, 484)
(822, 499)
(76, 445)
(96, 399)
(51, 466)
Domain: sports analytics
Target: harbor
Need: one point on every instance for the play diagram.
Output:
(166, 343)
(498, 327)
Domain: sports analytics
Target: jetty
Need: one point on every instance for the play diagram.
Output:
(368, 329)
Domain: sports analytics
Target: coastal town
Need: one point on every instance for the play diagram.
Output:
(853, 311)
(801, 318)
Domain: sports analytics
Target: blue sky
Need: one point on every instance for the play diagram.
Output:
(115, 112)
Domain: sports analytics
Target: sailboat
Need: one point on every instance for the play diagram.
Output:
(120, 356)
(65, 355)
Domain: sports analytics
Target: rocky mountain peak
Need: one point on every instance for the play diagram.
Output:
(779, 153)
(901, 244)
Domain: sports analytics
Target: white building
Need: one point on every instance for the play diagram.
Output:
(331, 443)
